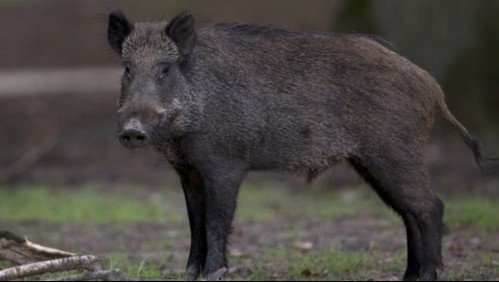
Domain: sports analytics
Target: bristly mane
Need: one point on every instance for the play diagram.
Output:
(255, 30)
(248, 29)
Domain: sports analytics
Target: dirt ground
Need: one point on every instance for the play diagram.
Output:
(380, 238)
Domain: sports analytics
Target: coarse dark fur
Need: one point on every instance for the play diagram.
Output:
(220, 101)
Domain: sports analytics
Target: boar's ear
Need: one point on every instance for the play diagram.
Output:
(181, 31)
(118, 29)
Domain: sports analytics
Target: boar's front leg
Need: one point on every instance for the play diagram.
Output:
(221, 179)
(192, 185)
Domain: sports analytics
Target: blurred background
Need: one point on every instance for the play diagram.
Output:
(59, 79)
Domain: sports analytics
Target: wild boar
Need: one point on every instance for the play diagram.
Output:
(220, 101)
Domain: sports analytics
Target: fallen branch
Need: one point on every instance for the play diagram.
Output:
(77, 263)
(38, 260)
(42, 267)
(18, 250)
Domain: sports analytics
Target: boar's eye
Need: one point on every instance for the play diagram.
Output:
(163, 71)
(127, 72)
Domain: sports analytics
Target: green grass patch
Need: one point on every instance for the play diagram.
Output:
(143, 270)
(145, 267)
(490, 260)
(257, 201)
(475, 211)
(474, 266)
(265, 200)
(337, 263)
(289, 264)
(86, 204)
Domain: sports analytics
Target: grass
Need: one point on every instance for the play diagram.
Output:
(96, 206)
(490, 260)
(261, 201)
(89, 204)
(285, 264)
(476, 211)
(146, 267)
(264, 201)
(477, 267)
(144, 270)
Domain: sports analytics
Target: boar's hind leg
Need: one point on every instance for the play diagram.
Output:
(400, 179)
(193, 190)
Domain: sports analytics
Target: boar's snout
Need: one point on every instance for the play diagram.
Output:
(133, 135)
(133, 138)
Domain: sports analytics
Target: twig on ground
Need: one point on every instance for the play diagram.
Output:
(18, 250)
(42, 267)
(38, 260)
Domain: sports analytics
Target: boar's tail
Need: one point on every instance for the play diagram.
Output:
(487, 165)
